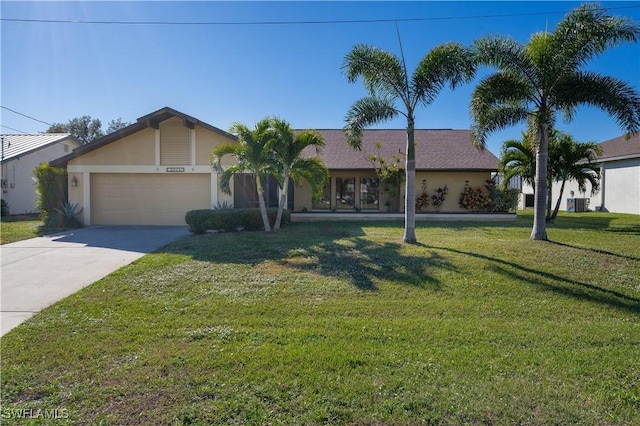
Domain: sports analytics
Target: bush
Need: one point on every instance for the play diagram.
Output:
(502, 200)
(67, 217)
(230, 220)
(4, 208)
(475, 198)
(51, 188)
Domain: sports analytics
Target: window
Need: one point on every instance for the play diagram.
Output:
(323, 203)
(345, 192)
(245, 192)
(369, 193)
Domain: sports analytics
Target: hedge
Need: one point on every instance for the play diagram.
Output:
(230, 220)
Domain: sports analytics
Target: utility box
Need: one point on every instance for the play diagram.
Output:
(571, 205)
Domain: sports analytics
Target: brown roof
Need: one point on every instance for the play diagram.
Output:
(621, 147)
(435, 150)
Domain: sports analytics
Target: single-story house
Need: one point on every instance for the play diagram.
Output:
(21, 154)
(155, 170)
(619, 185)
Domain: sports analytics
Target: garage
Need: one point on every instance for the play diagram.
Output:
(147, 198)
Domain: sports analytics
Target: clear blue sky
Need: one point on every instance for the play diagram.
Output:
(225, 73)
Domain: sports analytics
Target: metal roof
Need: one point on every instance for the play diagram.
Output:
(14, 146)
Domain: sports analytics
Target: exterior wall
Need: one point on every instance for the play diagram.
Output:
(133, 150)
(455, 182)
(20, 191)
(619, 189)
(622, 186)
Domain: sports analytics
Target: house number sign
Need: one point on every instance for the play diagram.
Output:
(175, 169)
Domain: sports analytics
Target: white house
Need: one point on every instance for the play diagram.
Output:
(619, 185)
(21, 154)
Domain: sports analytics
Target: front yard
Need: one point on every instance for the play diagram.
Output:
(18, 228)
(340, 323)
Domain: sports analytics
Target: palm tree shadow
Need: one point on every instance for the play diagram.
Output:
(559, 284)
(598, 251)
(362, 261)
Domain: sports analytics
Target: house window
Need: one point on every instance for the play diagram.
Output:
(245, 192)
(323, 203)
(528, 201)
(175, 144)
(345, 192)
(369, 193)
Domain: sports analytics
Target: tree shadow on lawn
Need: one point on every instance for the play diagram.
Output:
(559, 284)
(594, 250)
(331, 251)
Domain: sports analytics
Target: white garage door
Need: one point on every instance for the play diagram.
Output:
(147, 199)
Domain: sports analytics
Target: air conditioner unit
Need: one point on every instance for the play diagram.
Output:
(582, 204)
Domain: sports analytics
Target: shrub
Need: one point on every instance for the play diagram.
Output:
(230, 220)
(67, 217)
(51, 188)
(422, 202)
(4, 208)
(438, 197)
(475, 198)
(502, 200)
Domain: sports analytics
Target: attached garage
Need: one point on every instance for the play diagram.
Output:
(147, 198)
(151, 172)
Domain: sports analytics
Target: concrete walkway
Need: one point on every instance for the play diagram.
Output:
(41, 271)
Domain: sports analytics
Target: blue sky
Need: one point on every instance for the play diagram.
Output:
(225, 73)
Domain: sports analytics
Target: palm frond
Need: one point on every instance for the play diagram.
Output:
(505, 54)
(382, 72)
(618, 98)
(366, 112)
(450, 63)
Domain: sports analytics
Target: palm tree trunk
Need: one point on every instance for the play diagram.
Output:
(555, 210)
(539, 231)
(263, 207)
(283, 200)
(410, 190)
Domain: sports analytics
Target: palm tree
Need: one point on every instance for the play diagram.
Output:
(291, 164)
(518, 158)
(543, 77)
(386, 79)
(571, 160)
(253, 154)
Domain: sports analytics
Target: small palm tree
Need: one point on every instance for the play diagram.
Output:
(544, 77)
(292, 165)
(518, 158)
(253, 154)
(571, 160)
(386, 79)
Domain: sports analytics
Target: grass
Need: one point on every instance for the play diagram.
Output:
(340, 323)
(22, 227)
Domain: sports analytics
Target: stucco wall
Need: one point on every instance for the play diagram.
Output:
(455, 182)
(20, 192)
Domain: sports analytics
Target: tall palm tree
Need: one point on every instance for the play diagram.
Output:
(253, 154)
(537, 80)
(291, 164)
(386, 79)
(572, 160)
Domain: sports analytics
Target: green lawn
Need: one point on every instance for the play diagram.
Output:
(18, 228)
(340, 323)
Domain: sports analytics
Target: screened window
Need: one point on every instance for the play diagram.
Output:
(369, 193)
(345, 192)
(323, 203)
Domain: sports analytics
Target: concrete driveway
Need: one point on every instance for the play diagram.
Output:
(38, 272)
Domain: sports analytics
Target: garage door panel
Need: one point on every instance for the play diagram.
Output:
(147, 199)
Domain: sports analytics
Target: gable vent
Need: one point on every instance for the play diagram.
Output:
(174, 144)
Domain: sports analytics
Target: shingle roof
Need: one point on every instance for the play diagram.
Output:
(14, 146)
(621, 147)
(435, 150)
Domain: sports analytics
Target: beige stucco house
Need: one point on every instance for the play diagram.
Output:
(155, 170)
(21, 154)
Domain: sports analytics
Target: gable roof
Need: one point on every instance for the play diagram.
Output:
(442, 149)
(620, 148)
(150, 120)
(14, 146)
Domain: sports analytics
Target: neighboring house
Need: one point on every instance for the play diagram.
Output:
(155, 170)
(619, 185)
(21, 154)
